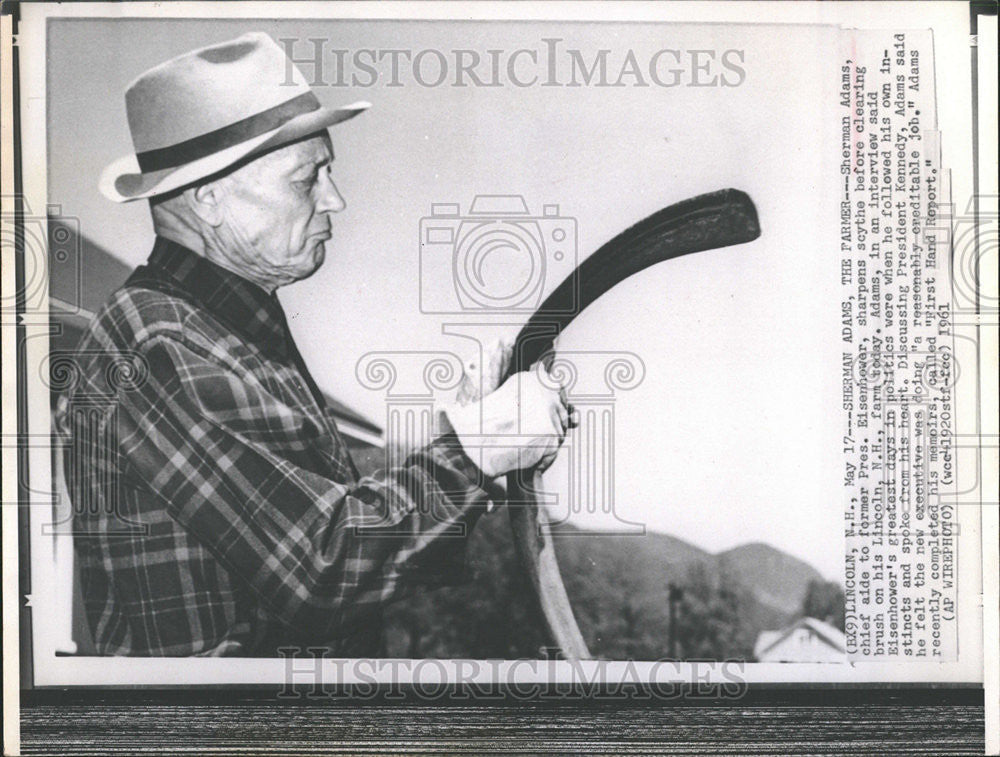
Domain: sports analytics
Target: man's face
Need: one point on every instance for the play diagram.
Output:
(276, 211)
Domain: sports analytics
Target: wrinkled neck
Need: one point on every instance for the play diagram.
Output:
(189, 232)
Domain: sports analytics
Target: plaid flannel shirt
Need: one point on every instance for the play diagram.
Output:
(216, 507)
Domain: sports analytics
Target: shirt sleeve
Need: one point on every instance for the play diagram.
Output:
(244, 472)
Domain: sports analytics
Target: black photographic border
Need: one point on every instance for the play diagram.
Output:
(767, 719)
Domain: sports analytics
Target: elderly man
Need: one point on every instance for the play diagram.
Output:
(218, 511)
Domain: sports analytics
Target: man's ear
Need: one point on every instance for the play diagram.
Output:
(205, 201)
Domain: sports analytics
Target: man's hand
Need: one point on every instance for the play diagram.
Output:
(519, 426)
(483, 376)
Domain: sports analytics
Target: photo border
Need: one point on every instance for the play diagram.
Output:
(50, 706)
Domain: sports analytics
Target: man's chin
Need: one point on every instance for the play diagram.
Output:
(319, 254)
(317, 257)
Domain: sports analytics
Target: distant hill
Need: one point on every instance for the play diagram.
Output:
(778, 580)
(618, 586)
(767, 585)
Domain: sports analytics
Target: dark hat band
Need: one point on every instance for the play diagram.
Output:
(228, 136)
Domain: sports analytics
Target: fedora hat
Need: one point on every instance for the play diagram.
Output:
(204, 111)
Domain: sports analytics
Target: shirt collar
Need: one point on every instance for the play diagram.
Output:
(240, 303)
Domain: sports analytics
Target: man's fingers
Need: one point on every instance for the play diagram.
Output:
(484, 372)
(506, 349)
(547, 359)
(574, 416)
(468, 390)
(562, 415)
(494, 364)
(568, 415)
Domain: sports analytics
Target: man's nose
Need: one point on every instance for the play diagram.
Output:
(331, 200)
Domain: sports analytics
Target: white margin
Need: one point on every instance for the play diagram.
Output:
(948, 20)
(989, 412)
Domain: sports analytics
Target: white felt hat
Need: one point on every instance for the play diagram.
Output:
(203, 111)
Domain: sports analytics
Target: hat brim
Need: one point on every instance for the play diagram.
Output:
(122, 180)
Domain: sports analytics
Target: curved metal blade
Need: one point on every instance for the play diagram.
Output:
(530, 527)
(706, 222)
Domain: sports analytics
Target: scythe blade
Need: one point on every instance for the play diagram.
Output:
(706, 222)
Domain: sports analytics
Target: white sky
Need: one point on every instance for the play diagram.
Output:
(733, 435)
